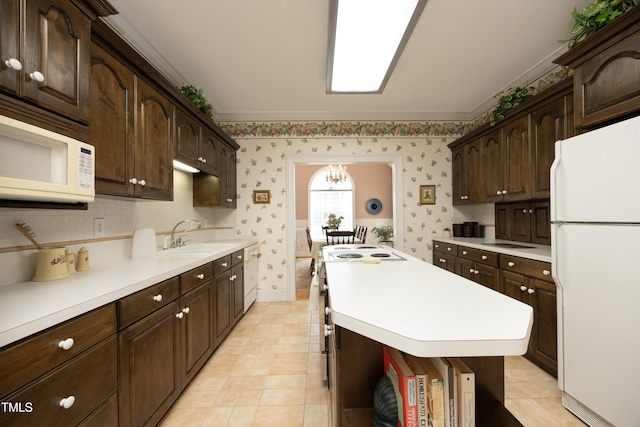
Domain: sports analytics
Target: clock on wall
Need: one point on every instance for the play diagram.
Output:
(374, 206)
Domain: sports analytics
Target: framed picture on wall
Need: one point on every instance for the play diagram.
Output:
(427, 194)
(261, 196)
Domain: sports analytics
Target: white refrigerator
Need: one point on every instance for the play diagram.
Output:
(595, 246)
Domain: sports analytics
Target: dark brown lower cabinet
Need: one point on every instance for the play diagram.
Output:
(518, 281)
(196, 328)
(223, 313)
(237, 274)
(149, 367)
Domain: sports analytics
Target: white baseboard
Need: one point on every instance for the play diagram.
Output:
(272, 296)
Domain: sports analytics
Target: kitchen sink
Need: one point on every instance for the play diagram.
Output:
(195, 250)
(203, 247)
(509, 245)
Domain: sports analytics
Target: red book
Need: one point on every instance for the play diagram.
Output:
(404, 384)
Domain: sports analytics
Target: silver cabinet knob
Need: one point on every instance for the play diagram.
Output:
(133, 181)
(157, 298)
(523, 288)
(180, 315)
(511, 263)
(143, 182)
(484, 257)
(186, 310)
(504, 191)
(464, 252)
(200, 276)
(531, 291)
(546, 272)
(499, 193)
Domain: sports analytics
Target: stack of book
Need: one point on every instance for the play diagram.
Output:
(431, 392)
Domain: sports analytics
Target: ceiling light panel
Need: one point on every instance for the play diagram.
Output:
(366, 38)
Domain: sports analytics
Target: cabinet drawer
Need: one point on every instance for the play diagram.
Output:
(446, 248)
(23, 362)
(89, 378)
(191, 279)
(528, 267)
(221, 264)
(136, 306)
(478, 255)
(237, 257)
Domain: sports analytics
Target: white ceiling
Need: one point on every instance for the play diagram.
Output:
(265, 60)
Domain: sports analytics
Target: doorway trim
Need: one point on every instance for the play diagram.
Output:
(397, 191)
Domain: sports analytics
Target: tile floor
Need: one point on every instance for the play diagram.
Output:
(267, 373)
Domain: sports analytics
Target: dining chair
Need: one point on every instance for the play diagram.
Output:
(310, 243)
(363, 235)
(340, 237)
(325, 228)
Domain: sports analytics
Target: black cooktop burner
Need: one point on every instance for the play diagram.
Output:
(349, 256)
(380, 255)
(367, 247)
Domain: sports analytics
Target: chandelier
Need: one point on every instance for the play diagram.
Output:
(335, 174)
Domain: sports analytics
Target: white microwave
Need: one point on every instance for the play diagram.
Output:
(40, 165)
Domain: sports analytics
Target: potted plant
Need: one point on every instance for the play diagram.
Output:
(513, 98)
(198, 99)
(333, 221)
(384, 233)
(595, 16)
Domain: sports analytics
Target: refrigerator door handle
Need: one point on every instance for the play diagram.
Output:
(555, 166)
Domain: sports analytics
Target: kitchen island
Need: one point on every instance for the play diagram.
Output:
(422, 310)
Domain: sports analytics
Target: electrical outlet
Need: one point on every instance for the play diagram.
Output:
(98, 227)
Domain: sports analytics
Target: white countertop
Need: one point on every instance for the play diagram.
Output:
(426, 311)
(536, 252)
(30, 307)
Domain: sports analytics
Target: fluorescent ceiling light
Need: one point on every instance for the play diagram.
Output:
(185, 168)
(366, 38)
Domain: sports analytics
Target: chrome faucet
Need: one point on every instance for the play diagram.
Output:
(176, 243)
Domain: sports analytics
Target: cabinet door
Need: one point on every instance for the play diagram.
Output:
(196, 330)
(223, 312)
(445, 261)
(467, 269)
(209, 153)
(187, 139)
(549, 124)
(231, 180)
(492, 167)
(520, 217)
(459, 177)
(223, 164)
(111, 95)
(149, 368)
(540, 223)
(487, 276)
(9, 44)
(154, 163)
(57, 43)
(544, 336)
(514, 285)
(516, 163)
(502, 222)
(237, 274)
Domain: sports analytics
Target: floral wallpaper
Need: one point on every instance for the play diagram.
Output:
(261, 165)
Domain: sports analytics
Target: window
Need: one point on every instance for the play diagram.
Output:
(325, 199)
